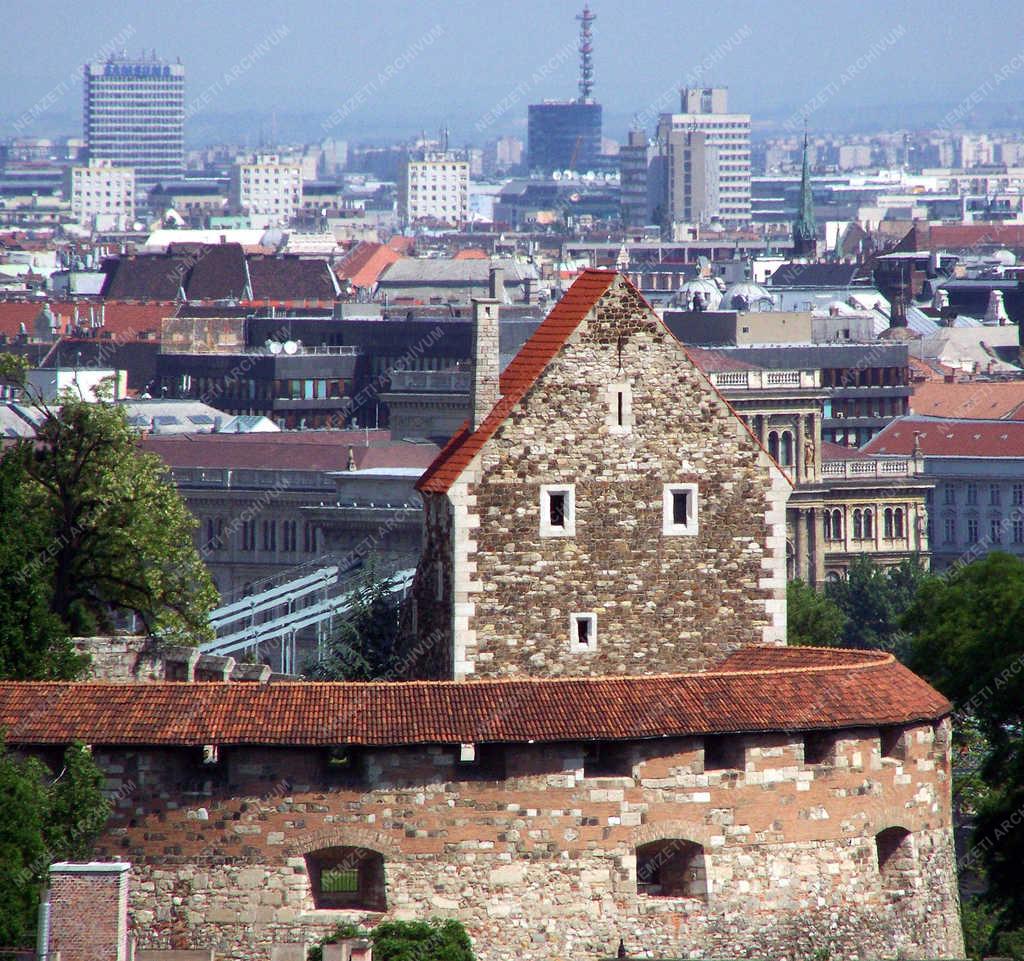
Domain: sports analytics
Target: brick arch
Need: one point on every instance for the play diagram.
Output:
(345, 837)
(671, 830)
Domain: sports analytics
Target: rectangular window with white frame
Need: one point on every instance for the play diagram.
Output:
(583, 632)
(557, 510)
(679, 510)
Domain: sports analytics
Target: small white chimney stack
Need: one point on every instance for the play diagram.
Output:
(484, 393)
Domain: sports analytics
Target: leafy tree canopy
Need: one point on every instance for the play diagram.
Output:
(434, 940)
(813, 620)
(118, 535)
(43, 819)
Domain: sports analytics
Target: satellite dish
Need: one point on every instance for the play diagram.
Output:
(290, 347)
(274, 347)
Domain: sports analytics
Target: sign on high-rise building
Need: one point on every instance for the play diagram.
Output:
(134, 116)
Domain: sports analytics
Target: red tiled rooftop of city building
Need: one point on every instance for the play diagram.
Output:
(944, 437)
(760, 689)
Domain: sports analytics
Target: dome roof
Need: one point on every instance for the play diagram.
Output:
(746, 295)
(707, 289)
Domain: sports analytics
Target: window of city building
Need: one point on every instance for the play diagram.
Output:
(995, 530)
(672, 868)
(288, 536)
(972, 494)
(972, 530)
(949, 530)
(583, 632)
(834, 525)
(1018, 495)
(309, 537)
(950, 494)
(557, 510)
(347, 878)
(1018, 532)
(994, 495)
(270, 535)
(248, 535)
(898, 522)
(679, 510)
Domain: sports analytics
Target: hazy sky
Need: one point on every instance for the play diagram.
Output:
(393, 65)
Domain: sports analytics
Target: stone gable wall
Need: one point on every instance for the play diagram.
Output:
(542, 864)
(662, 603)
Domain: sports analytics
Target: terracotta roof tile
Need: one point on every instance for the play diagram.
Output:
(761, 689)
(948, 437)
(981, 400)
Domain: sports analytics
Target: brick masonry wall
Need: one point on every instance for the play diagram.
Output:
(542, 865)
(87, 914)
(662, 603)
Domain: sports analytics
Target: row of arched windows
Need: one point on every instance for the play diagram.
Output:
(894, 524)
(780, 446)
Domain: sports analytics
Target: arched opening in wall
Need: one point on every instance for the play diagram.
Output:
(837, 525)
(344, 878)
(897, 520)
(773, 444)
(887, 525)
(896, 863)
(787, 449)
(858, 525)
(673, 868)
(869, 523)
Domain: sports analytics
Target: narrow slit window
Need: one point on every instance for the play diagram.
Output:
(583, 631)
(620, 408)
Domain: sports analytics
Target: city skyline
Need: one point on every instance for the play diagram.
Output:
(280, 74)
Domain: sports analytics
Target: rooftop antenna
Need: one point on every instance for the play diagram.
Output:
(586, 54)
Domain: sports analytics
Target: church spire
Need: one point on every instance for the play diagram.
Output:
(805, 229)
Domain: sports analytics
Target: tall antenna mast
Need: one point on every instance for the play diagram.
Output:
(586, 54)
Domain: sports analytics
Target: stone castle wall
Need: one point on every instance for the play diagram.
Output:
(540, 863)
(663, 603)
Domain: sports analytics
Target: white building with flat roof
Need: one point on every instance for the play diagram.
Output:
(102, 196)
(435, 187)
(267, 189)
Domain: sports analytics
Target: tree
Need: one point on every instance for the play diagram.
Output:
(34, 644)
(43, 819)
(813, 620)
(969, 642)
(119, 535)
(874, 599)
(363, 647)
(434, 940)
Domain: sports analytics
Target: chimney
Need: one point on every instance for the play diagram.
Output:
(484, 393)
(496, 284)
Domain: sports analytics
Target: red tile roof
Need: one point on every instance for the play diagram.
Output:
(950, 438)
(763, 690)
(718, 361)
(287, 450)
(366, 263)
(976, 400)
(121, 319)
(519, 376)
(840, 452)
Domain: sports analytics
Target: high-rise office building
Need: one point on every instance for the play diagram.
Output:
(134, 116)
(706, 111)
(267, 189)
(566, 134)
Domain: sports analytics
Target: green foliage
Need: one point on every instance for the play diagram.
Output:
(813, 620)
(33, 641)
(363, 647)
(969, 642)
(434, 940)
(874, 600)
(42, 819)
(118, 536)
